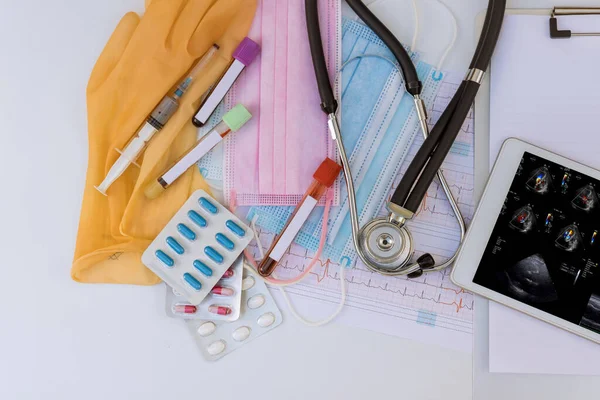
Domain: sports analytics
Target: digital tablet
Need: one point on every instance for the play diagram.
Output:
(534, 242)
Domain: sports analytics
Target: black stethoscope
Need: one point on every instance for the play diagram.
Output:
(385, 245)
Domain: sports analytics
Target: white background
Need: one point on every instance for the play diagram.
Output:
(60, 339)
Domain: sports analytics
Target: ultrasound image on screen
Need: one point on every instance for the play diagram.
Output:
(591, 316)
(529, 281)
(544, 250)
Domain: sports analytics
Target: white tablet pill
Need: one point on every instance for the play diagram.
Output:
(247, 283)
(216, 347)
(206, 328)
(266, 320)
(241, 333)
(256, 301)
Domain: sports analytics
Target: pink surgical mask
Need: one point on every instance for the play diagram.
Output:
(270, 161)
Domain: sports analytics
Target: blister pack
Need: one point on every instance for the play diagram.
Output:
(197, 246)
(259, 315)
(223, 303)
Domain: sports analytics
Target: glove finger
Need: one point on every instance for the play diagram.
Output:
(233, 15)
(159, 17)
(187, 21)
(113, 50)
(147, 39)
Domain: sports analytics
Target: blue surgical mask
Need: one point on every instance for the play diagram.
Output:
(379, 124)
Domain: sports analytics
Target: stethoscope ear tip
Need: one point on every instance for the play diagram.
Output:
(415, 274)
(426, 261)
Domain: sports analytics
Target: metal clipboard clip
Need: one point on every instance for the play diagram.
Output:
(556, 33)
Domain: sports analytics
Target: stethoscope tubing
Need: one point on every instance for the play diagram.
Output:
(433, 151)
(447, 138)
(329, 104)
(423, 154)
(409, 72)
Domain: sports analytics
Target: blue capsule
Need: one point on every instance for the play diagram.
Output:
(164, 257)
(235, 228)
(213, 254)
(193, 282)
(186, 232)
(205, 269)
(224, 241)
(207, 205)
(197, 218)
(174, 244)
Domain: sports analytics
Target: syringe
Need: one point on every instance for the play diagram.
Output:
(154, 123)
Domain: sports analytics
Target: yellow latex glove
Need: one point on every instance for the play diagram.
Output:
(142, 60)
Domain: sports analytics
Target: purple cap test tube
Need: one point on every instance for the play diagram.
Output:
(243, 56)
(246, 51)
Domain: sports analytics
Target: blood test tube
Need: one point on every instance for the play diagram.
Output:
(323, 178)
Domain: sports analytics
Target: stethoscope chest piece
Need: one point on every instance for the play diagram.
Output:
(385, 245)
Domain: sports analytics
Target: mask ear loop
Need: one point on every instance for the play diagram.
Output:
(332, 316)
(413, 45)
(454, 35)
(416, 18)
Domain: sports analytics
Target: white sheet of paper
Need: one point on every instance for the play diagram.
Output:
(546, 92)
(522, 344)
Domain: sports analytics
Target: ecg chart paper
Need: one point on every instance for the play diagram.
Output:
(430, 308)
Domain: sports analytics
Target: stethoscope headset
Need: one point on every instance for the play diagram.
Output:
(385, 244)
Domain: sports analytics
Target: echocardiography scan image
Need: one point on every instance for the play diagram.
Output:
(543, 250)
(591, 316)
(529, 281)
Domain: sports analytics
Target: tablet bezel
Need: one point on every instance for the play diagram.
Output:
(485, 218)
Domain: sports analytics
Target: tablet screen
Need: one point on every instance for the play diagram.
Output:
(545, 246)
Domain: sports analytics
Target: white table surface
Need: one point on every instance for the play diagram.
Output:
(60, 339)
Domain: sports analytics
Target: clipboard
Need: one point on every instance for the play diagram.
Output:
(482, 152)
(482, 101)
